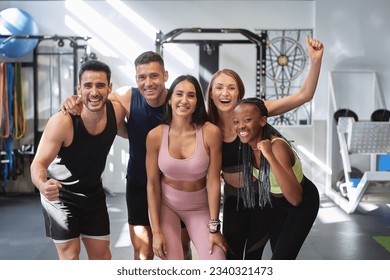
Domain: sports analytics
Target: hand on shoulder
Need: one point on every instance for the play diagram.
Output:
(72, 105)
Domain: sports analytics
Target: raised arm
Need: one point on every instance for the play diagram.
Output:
(153, 141)
(306, 92)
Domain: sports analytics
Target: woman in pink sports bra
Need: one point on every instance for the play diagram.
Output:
(183, 161)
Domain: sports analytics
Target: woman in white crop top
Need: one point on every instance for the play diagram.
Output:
(183, 161)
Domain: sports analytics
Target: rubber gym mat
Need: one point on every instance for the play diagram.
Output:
(384, 241)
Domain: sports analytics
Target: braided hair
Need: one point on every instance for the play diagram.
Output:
(248, 191)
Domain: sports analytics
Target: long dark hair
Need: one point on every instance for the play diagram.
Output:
(248, 191)
(199, 117)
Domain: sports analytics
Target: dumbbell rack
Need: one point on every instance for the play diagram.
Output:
(365, 137)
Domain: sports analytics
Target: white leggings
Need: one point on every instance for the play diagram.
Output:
(192, 208)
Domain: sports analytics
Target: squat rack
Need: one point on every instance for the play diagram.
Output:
(209, 50)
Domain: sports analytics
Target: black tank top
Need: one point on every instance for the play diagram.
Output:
(230, 156)
(85, 158)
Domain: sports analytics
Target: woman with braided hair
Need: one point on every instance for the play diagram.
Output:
(246, 238)
(273, 179)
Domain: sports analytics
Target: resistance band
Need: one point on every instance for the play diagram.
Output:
(4, 114)
(19, 115)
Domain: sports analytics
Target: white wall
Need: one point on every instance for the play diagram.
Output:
(355, 34)
(357, 37)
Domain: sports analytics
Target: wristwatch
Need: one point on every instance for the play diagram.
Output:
(214, 225)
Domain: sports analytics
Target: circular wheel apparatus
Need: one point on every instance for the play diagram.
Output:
(285, 59)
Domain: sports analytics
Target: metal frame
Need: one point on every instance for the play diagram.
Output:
(209, 56)
(251, 38)
(74, 43)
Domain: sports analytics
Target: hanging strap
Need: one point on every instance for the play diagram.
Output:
(9, 140)
(10, 87)
(2, 101)
(4, 113)
(19, 114)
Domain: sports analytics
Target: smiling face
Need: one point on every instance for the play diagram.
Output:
(94, 89)
(248, 123)
(151, 78)
(224, 92)
(183, 99)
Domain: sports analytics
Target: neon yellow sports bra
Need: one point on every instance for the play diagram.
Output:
(275, 187)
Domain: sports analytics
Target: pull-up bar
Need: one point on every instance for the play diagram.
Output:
(73, 39)
(209, 59)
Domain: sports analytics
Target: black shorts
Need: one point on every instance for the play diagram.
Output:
(75, 214)
(137, 205)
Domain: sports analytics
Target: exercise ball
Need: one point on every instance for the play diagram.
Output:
(14, 21)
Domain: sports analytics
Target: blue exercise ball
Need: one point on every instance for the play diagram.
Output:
(14, 21)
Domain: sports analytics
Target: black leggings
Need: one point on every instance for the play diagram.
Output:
(290, 225)
(245, 230)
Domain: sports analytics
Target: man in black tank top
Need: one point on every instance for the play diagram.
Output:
(69, 163)
(144, 111)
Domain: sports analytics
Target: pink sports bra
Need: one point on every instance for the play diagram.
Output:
(190, 169)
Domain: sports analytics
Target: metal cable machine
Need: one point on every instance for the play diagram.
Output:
(28, 150)
(76, 46)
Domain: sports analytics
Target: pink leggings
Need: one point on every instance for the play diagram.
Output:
(192, 208)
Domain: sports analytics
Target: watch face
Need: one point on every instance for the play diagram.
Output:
(213, 227)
